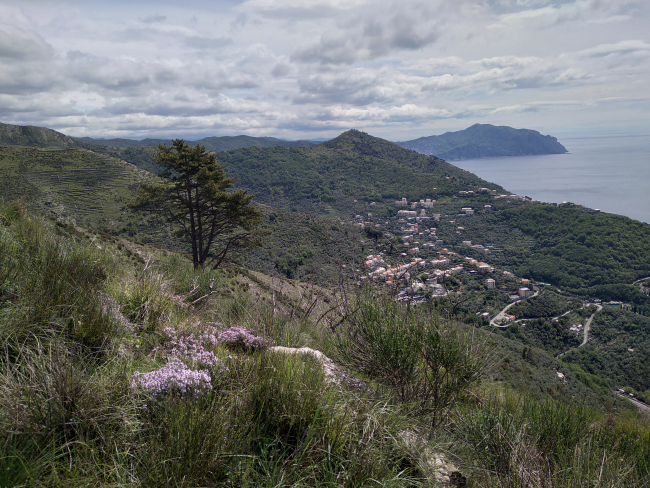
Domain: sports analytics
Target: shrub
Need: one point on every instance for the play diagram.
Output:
(422, 360)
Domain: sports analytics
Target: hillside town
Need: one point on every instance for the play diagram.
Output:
(414, 259)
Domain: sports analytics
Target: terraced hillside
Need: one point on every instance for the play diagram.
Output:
(74, 184)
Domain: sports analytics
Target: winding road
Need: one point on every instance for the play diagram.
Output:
(502, 313)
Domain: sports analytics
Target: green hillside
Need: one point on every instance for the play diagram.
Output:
(73, 184)
(94, 190)
(328, 177)
(485, 141)
(114, 372)
(18, 135)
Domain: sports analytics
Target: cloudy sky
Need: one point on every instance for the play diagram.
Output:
(295, 69)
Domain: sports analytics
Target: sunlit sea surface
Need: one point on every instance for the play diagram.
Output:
(609, 173)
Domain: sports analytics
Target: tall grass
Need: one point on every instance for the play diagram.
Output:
(50, 286)
(424, 361)
(514, 440)
(76, 323)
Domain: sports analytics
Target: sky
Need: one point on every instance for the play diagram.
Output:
(307, 69)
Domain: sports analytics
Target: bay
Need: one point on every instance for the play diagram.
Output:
(610, 173)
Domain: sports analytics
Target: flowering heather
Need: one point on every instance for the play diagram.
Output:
(241, 339)
(192, 348)
(112, 308)
(173, 376)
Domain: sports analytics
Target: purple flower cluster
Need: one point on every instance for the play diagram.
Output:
(192, 348)
(173, 376)
(241, 339)
(110, 307)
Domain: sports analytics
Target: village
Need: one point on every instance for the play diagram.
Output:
(411, 257)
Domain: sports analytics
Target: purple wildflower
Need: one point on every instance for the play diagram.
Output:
(192, 348)
(241, 339)
(173, 376)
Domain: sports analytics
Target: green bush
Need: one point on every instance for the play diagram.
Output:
(424, 361)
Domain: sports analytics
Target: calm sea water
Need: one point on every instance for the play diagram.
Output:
(609, 173)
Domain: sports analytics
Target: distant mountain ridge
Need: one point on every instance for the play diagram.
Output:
(31, 136)
(216, 144)
(485, 141)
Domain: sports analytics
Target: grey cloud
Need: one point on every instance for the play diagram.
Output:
(299, 12)
(280, 70)
(624, 47)
(567, 11)
(239, 22)
(29, 78)
(154, 19)
(370, 35)
(21, 45)
(111, 75)
(355, 87)
(175, 107)
(207, 42)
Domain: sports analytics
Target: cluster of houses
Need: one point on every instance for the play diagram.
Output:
(471, 193)
(424, 203)
(391, 273)
(480, 265)
(373, 261)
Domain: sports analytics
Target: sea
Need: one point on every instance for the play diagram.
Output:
(610, 173)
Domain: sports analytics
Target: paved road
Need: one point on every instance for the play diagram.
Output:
(641, 406)
(588, 324)
(642, 279)
(502, 313)
(586, 333)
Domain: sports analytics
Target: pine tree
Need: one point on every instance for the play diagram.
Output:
(194, 198)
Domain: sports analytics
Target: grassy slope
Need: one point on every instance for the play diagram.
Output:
(73, 184)
(306, 247)
(70, 416)
(93, 190)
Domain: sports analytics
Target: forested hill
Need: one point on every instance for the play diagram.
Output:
(329, 177)
(484, 141)
(216, 144)
(27, 135)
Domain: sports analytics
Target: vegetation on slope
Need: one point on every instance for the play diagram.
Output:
(583, 252)
(618, 349)
(329, 177)
(78, 321)
(73, 184)
(19, 135)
